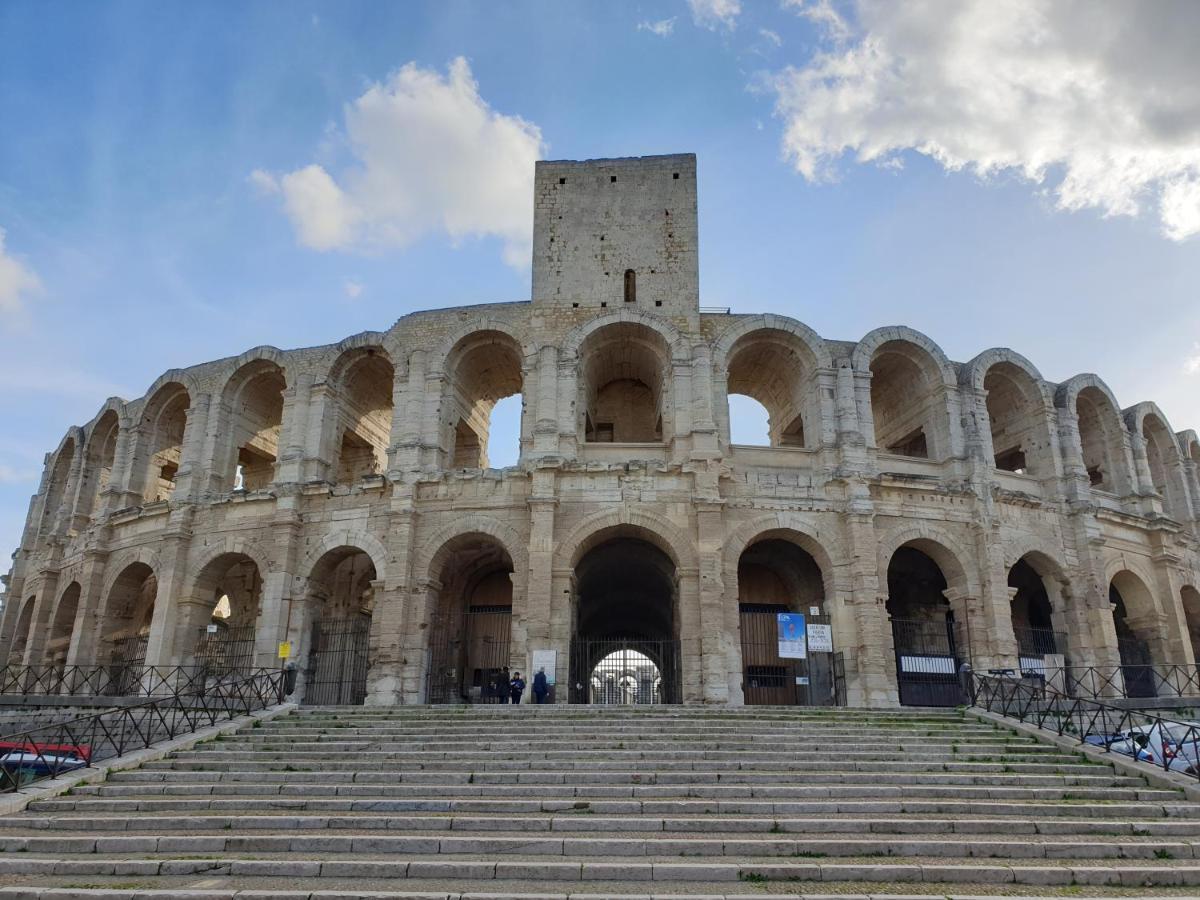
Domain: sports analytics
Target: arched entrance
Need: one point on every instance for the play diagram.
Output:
(222, 618)
(62, 628)
(1033, 619)
(340, 600)
(923, 630)
(471, 625)
(1133, 614)
(776, 576)
(626, 645)
(1190, 598)
(125, 626)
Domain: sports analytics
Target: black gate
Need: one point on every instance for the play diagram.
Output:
(468, 655)
(127, 659)
(625, 670)
(337, 662)
(1137, 667)
(225, 650)
(771, 680)
(926, 662)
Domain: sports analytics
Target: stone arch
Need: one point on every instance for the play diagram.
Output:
(911, 380)
(1163, 457)
(235, 569)
(479, 370)
(230, 546)
(624, 384)
(61, 468)
(656, 529)
(354, 538)
(938, 544)
(1017, 409)
(869, 344)
(62, 625)
(778, 370)
(125, 615)
(1090, 402)
(182, 377)
(1189, 598)
(1037, 583)
(357, 426)
(462, 335)
(342, 353)
(99, 458)
(252, 402)
(1140, 622)
(433, 550)
(771, 322)
(671, 336)
(795, 529)
(22, 631)
(121, 561)
(159, 441)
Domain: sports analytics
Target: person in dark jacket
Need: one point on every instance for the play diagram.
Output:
(516, 688)
(503, 685)
(540, 686)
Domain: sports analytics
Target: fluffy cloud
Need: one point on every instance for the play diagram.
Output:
(662, 28)
(1096, 100)
(715, 14)
(17, 282)
(430, 156)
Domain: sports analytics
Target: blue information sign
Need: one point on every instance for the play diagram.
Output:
(791, 636)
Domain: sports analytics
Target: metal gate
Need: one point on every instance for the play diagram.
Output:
(468, 656)
(337, 662)
(771, 680)
(226, 650)
(127, 659)
(625, 671)
(1137, 667)
(926, 662)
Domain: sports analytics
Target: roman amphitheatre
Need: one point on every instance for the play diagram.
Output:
(333, 508)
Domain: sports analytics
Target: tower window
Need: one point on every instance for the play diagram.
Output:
(612, 179)
(675, 176)
(630, 286)
(562, 181)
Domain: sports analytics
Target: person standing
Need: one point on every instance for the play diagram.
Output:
(503, 685)
(516, 688)
(540, 686)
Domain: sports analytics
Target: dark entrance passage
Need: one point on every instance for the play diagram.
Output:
(1032, 621)
(469, 632)
(1137, 662)
(776, 576)
(626, 645)
(923, 631)
(338, 662)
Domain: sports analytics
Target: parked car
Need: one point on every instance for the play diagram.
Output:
(22, 766)
(1169, 745)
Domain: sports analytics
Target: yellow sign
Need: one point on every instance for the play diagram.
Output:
(285, 649)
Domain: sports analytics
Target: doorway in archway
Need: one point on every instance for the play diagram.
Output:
(626, 645)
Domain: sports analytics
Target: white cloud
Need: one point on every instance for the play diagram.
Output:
(1191, 365)
(715, 14)
(17, 282)
(1096, 100)
(353, 289)
(430, 157)
(770, 37)
(821, 12)
(662, 28)
(263, 182)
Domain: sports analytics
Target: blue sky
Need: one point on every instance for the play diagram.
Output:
(145, 151)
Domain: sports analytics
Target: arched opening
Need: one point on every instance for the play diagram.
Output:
(364, 416)
(62, 628)
(1020, 434)
(626, 646)
(778, 371)
(341, 598)
(749, 422)
(56, 490)
(1100, 433)
(923, 630)
(483, 369)
(125, 626)
(1190, 598)
(220, 621)
(1135, 620)
(1033, 619)
(908, 402)
(624, 385)
(160, 442)
(630, 286)
(16, 649)
(99, 456)
(254, 398)
(775, 576)
(471, 622)
(1162, 458)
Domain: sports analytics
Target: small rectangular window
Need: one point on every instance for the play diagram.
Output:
(562, 181)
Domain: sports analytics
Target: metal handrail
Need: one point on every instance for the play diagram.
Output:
(1161, 741)
(51, 750)
(1113, 682)
(114, 680)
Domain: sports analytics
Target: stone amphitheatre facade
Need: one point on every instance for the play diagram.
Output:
(339, 498)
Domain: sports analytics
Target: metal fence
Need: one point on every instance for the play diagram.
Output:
(62, 747)
(337, 672)
(927, 662)
(107, 681)
(1147, 737)
(769, 679)
(631, 671)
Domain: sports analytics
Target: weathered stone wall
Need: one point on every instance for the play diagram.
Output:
(422, 523)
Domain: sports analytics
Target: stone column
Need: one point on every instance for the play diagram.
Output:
(867, 648)
(193, 465)
(704, 426)
(175, 625)
(715, 642)
(531, 619)
(545, 405)
(88, 630)
(125, 486)
(293, 431)
(388, 658)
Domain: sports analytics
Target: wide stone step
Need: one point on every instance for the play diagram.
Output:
(137, 823)
(291, 869)
(625, 845)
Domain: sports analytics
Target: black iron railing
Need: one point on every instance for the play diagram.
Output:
(1122, 682)
(63, 747)
(1147, 737)
(120, 680)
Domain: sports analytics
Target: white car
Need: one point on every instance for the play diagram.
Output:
(1168, 745)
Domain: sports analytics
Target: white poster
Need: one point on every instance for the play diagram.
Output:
(791, 636)
(544, 659)
(820, 638)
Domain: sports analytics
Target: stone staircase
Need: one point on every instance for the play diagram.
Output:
(551, 802)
